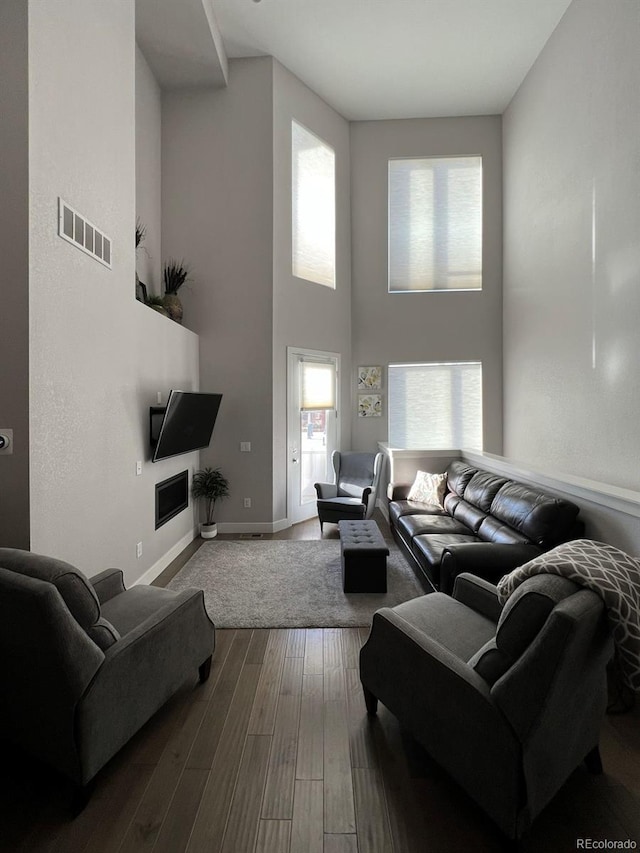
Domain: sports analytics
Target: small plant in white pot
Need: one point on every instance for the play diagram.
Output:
(210, 485)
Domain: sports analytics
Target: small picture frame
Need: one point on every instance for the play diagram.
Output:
(370, 378)
(141, 292)
(369, 405)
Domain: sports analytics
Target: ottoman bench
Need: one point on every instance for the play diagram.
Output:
(364, 557)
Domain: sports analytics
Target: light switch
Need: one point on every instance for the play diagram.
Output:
(245, 446)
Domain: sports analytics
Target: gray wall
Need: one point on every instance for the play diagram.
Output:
(149, 175)
(422, 327)
(572, 250)
(97, 356)
(14, 251)
(305, 314)
(217, 202)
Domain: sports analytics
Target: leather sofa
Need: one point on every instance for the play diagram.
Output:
(488, 525)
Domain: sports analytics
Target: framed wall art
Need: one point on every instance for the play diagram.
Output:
(369, 378)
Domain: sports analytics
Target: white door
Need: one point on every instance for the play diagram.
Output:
(312, 427)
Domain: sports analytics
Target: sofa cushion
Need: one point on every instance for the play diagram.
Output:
(416, 525)
(468, 514)
(455, 626)
(492, 530)
(520, 622)
(482, 489)
(399, 508)
(458, 476)
(429, 548)
(543, 519)
(127, 610)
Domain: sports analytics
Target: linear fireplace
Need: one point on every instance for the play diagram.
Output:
(172, 496)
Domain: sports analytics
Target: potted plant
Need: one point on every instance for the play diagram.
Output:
(211, 485)
(174, 276)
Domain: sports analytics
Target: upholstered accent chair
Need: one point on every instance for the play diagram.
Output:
(508, 700)
(352, 495)
(85, 663)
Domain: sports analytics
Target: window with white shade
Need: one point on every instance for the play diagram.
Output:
(318, 385)
(435, 406)
(435, 224)
(313, 207)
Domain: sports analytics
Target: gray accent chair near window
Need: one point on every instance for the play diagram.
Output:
(353, 493)
(85, 663)
(508, 700)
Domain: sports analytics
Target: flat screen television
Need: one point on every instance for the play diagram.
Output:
(185, 424)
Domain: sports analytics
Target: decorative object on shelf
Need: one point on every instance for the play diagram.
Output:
(210, 485)
(141, 231)
(157, 303)
(176, 273)
(369, 405)
(369, 378)
(141, 291)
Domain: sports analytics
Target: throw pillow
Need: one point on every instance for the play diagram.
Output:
(428, 488)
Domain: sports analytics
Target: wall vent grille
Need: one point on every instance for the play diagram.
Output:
(77, 230)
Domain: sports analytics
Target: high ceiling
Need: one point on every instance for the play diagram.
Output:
(370, 59)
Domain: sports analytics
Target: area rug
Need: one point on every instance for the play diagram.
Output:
(287, 584)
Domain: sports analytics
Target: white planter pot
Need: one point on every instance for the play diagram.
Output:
(209, 531)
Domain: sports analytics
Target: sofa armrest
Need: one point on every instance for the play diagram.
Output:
(324, 491)
(398, 491)
(489, 560)
(478, 594)
(108, 584)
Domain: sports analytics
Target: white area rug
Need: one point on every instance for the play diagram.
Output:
(287, 584)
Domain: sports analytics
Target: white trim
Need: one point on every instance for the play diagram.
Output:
(602, 494)
(160, 565)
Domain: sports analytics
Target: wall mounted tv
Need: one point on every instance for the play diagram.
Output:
(184, 424)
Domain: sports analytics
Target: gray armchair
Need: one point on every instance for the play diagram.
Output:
(352, 495)
(84, 664)
(509, 701)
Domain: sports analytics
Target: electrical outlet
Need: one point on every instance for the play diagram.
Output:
(247, 503)
(245, 447)
(139, 550)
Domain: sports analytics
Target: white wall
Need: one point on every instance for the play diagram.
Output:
(572, 250)
(217, 201)
(14, 251)
(149, 175)
(305, 314)
(97, 356)
(423, 327)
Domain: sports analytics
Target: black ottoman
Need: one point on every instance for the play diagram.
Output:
(364, 557)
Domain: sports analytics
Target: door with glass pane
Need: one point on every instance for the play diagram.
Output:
(312, 427)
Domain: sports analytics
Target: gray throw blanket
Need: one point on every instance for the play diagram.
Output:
(614, 575)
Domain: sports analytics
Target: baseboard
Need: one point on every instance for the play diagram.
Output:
(383, 506)
(253, 527)
(160, 565)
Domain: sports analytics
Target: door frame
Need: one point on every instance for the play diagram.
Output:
(296, 514)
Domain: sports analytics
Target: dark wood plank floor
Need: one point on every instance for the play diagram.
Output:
(275, 754)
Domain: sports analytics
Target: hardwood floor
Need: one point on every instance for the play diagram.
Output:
(275, 754)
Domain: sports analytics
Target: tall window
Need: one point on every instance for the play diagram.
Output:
(313, 205)
(435, 224)
(436, 406)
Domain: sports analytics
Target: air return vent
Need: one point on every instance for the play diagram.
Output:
(82, 234)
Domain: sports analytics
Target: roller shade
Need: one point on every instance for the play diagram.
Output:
(435, 406)
(318, 386)
(313, 207)
(435, 224)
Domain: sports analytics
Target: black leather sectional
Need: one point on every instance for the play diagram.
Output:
(488, 526)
